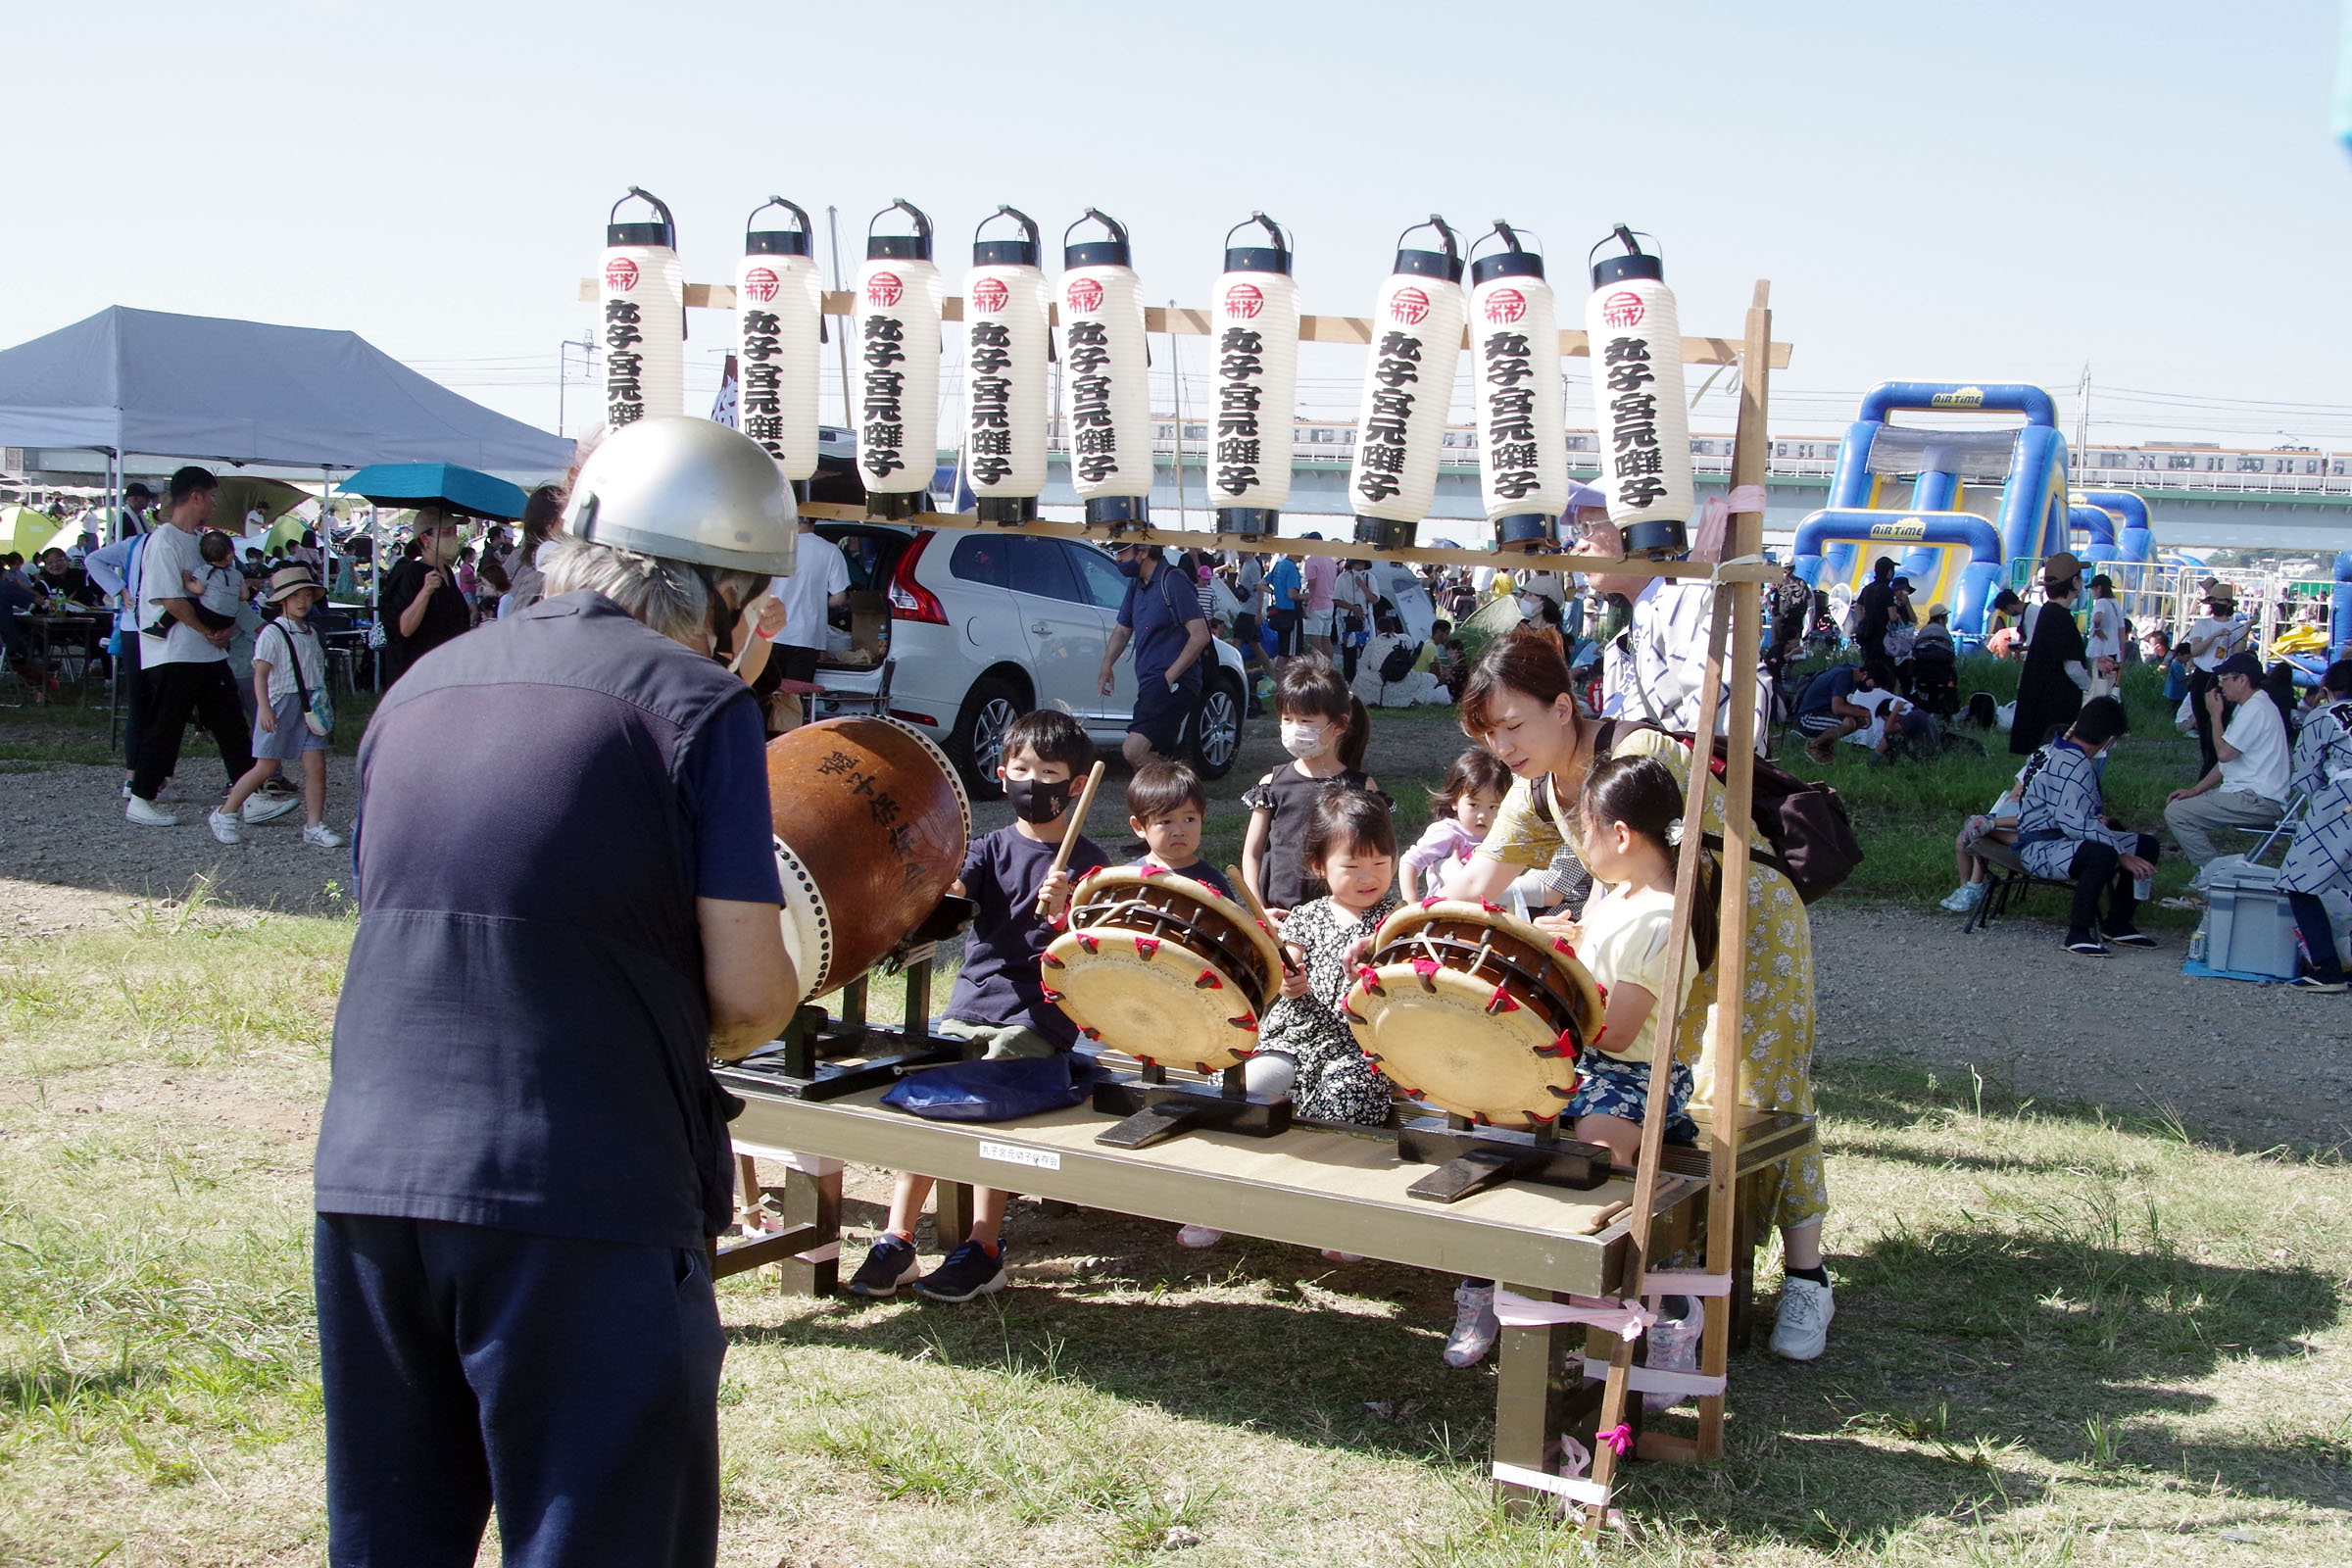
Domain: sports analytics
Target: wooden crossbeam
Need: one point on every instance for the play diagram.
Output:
(1185, 323)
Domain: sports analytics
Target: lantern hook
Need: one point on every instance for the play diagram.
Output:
(1118, 230)
(1630, 238)
(1282, 241)
(1510, 238)
(1028, 225)
(646, 196)
(1453, 249)
(793, 208)
(922, 222)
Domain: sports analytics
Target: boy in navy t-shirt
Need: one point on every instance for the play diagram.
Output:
(999, 1000)
(1167, 809)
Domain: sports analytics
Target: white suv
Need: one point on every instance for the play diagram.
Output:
(986, 626)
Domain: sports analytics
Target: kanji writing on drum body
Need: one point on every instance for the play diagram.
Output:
(1240, 358)
(1380, 457)
(1094, 440)
(989, 449)
(1636, 459)
(625, 367)
(762, 382)
(881, 805)
(1511, 414)
(884, 406)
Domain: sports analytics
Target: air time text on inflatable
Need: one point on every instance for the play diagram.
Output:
(642, 293)
(898, 304)
(780, 325)
(1254, 317)
(1408, 390)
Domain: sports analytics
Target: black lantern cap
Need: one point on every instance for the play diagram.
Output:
(662, 231)
(1513, 261)
(776, 241)
(1446, 263)
(1112, 252)
(1022, 252)
(1636, 262)
(1275, 258)
(915, 247)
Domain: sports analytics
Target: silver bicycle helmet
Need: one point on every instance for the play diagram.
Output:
(689, 490)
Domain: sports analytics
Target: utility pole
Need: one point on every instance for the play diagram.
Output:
(841, 334)
(587, 347)
(2082, 413)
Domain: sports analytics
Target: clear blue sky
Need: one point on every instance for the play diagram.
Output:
(1991, 191)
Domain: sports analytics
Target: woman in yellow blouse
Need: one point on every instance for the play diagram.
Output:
(1517, 705)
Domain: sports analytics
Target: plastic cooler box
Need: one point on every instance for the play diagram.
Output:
(2248, 927)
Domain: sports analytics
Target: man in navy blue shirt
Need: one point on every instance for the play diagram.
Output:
(1161, 616)
(524, 1154)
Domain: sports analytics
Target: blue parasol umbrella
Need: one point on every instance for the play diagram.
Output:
(443, 484)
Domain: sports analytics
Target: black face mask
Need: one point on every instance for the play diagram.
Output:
(1033, 800)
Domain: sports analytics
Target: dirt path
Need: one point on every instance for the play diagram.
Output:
(2255, 1065)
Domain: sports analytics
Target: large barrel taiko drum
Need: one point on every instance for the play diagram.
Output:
(871, 826)
(1475, 1011)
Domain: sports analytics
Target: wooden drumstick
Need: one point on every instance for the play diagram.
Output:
(1069, 839)
(1252, 902)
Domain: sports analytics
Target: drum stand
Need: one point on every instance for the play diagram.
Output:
(1472, 1159)
(822, 1057)
(1156, 1110)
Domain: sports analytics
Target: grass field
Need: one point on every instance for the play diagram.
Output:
(2063, 1338)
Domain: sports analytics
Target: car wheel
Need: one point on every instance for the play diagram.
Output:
(978, 742)
(1217, 730)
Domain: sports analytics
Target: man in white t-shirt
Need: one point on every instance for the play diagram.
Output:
(2217, 634)
(819, 582)
(2247, 790)
(183, 665)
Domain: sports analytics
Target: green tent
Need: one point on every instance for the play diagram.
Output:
(26, 531)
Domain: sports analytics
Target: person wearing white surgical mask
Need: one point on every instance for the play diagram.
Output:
(420, 608)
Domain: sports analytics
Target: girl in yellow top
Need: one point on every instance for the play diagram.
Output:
(1517, 704)
(1630, 812)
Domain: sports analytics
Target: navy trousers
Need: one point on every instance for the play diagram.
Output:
(573, 1385)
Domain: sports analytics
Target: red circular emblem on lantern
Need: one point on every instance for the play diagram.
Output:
(990, 294)
(1622, 309)
(620, 274)
(1505, 304)
(1244, 300)
(760, 284)
(884, 288)
(1409, 306)
(1084, 294)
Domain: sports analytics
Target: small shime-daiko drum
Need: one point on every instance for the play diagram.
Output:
(871, 822)
(1163, 968)
(1475, 1011)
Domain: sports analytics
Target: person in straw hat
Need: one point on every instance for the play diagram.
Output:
(2057, 673)
(291, 716)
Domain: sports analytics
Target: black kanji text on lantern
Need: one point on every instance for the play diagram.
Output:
(1240, 360)
(989, 448)
(1094, 438)
(884, 433)
(625, 367)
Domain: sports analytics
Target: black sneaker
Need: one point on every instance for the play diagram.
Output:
(889, 1263)
(2087, 948)
(971, 1270)
(2131, 939)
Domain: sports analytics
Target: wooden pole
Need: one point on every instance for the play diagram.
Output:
(1744, 538)
(1661, 1061)
(1086, 803)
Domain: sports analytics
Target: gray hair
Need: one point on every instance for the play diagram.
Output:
(667, 595)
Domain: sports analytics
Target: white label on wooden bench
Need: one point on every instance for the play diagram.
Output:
(1015, 1154)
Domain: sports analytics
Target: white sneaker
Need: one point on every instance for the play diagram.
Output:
(1802, 1331)
(1198, 1236)
(149, 814)
(1474, 1325)
(1964, 897)
(1674, 1348)
(325, 837)
(225, 827)
(261, 808)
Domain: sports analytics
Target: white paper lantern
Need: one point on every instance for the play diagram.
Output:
(1637, 395)
(1254, 314)
(1106, 377)
(1408, 390)
(897, 343)
(1007, 307)
(1515, 377)
(780, 325)
(643, 293)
